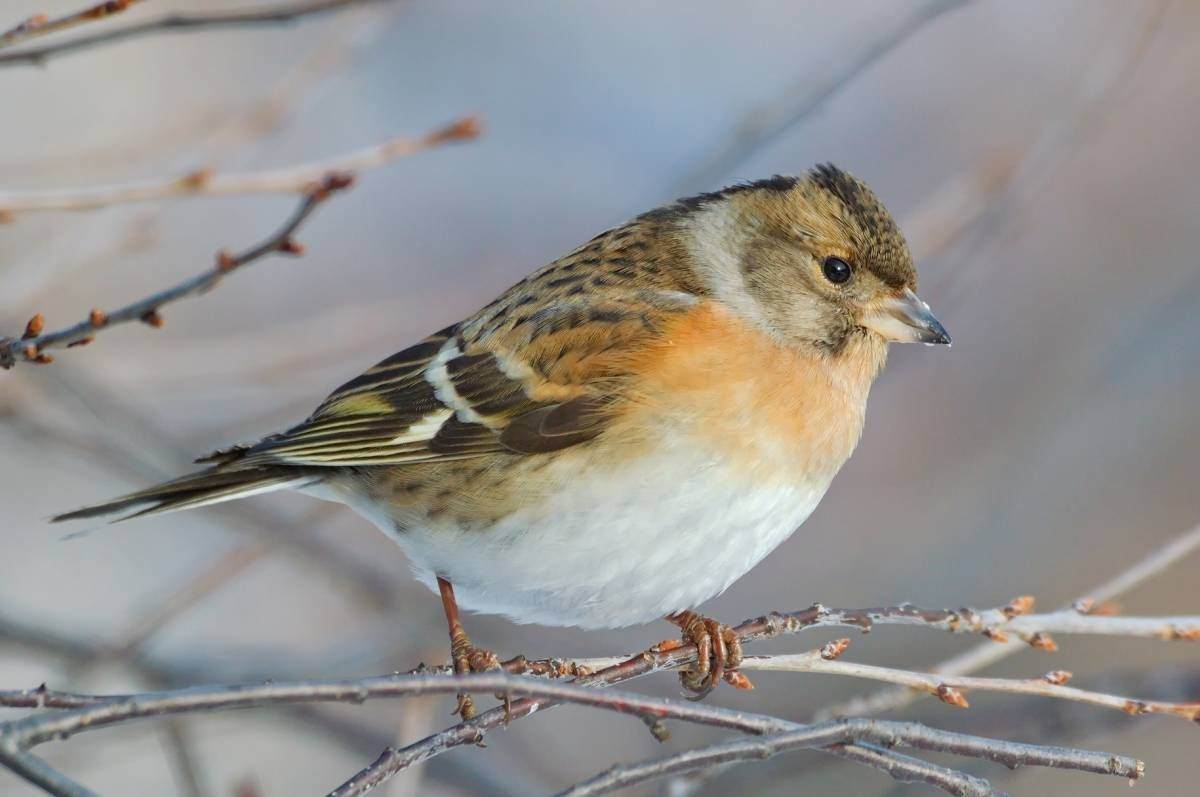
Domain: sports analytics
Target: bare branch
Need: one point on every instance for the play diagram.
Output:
(297, 179)
(767, 122)
(19, 736)
(673, 655)
(182, 22)
(40, 25)
(207, 580)
(985, 655)
(907, 769)
(32, 348)
(950, 688)
(178, 744)
(902, 768)
(122, 443)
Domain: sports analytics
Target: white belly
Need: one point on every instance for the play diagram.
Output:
(615, 547)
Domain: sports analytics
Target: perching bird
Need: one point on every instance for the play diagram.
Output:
(625, 432)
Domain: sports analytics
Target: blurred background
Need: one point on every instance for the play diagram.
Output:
(1041, 156)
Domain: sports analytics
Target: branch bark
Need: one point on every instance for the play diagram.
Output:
(180, 22)
(985, 655)
(297, 179)
(17, 738)
(903, 768)
(83, 712)
(673, 655)
(32, 346)
(40, 25)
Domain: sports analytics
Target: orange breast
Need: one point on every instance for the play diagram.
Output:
(783, 413)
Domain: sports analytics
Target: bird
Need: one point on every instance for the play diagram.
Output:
(625, 432)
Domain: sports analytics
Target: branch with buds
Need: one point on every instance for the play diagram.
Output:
(316, 182)
(297, 179)
(869, 741)
(41, 25)
(34, 343)
(865, 741)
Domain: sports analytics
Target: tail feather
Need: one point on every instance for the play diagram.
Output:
(211, 486)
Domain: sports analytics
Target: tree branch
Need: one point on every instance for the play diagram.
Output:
(31, 347)
(949, 688)
(18, 737)
(767, 122)
(40, 25)
(900, 767)
(296, 179)
(82, 712)
(673, 655)
(179, 22)
(985, 655)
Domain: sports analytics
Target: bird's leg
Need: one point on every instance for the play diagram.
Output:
(718, 653)
(465, 656)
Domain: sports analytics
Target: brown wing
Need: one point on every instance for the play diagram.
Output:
(537, 370)
(434, 402)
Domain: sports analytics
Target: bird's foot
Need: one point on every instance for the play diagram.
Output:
(467, 659)
(718, 654)
(465, 656)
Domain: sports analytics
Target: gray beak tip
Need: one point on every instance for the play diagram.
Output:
(937, 335)
(906, 319)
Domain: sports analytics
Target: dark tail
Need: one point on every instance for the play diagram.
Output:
(211, 486)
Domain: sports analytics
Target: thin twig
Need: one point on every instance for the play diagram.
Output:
(985, 655)
(207, 580)
(177, 742)
(901, 767)
(780, 114)
(40, 25)
(20, 736)
(32, 346)
(950, 688)
(673, 655)
(173, 23)
(121, 441)
(907, 769)
(296, 179)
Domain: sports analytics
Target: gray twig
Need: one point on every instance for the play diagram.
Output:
(770, 121)
(18, 737)
(177, 22)
(31, 346)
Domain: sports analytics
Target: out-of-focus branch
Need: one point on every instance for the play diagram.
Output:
(41, 25)
(119, 440)
(985, 655)
(32, 345)
(772, 119)
(296, 179)
(950, 688)
(19, 736)
(205, 582)
(178, 22)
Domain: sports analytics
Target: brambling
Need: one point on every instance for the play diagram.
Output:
(626, 431)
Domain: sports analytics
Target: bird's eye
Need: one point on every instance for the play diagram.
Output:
(836, 270)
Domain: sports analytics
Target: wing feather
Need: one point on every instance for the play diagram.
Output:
(537, 370)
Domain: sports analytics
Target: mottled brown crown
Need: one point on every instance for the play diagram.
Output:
(879, 244)
(882, 247)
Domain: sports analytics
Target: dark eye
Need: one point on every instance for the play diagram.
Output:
(836, 270)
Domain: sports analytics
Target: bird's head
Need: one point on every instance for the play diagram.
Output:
(815, 260)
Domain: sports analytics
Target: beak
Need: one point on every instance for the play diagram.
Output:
(906, 319)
